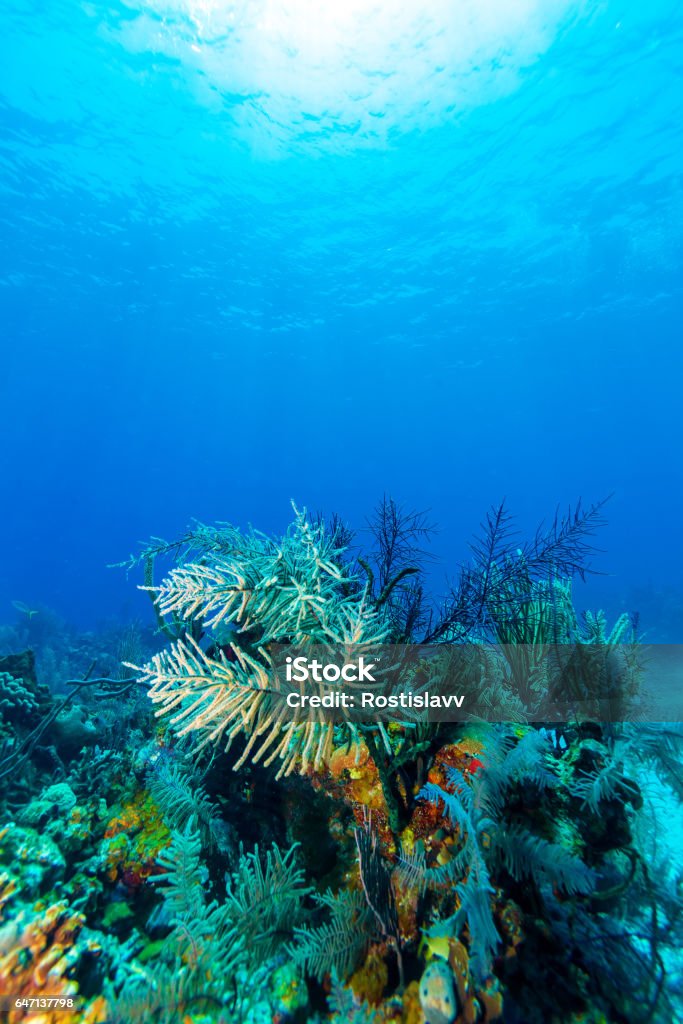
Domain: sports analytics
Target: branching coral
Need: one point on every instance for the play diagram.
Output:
(291, 589)
(258, 593)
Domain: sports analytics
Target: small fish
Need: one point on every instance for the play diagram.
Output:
(557, 742)
(24, 608)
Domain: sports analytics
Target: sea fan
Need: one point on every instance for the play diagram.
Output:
(468, 871)
(180, 799)
(526, 855)
(215, 953)
(182, 875)
(264, 900)
(337, 943)
(488, 843)
(411, 868)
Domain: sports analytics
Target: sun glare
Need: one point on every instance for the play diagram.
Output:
(368, 67)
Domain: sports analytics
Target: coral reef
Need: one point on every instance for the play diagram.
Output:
(217, 862)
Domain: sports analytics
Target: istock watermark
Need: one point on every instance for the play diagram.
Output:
(302, 670)
(484, 682)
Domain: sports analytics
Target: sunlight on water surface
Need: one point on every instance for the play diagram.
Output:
(347, 75)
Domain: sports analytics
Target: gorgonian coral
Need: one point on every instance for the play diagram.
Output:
(253, 593)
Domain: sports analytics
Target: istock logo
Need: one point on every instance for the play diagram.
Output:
(301, 670)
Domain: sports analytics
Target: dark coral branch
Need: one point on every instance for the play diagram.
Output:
(410, 570)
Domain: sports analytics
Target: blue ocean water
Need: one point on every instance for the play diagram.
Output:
(333, 253)
(265, 251)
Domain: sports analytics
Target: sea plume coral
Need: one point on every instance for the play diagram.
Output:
(256, 593)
